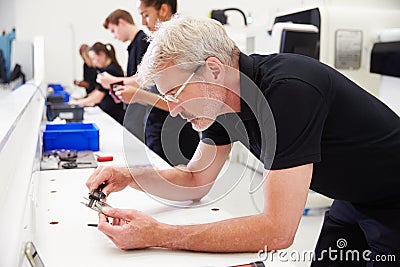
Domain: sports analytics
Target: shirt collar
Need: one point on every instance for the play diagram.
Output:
(133, 40)
(246, 68)
(130, 45)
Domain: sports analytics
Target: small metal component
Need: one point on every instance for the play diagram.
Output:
(63, 154)
(73, 164)
(95, 197)
(96, 205)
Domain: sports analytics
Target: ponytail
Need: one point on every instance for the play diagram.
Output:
(111, 54)
(109, 50)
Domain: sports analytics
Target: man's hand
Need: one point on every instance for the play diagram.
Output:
(126, 93)
(74, 102)
(130, 229)
(105, 79)
(82, 101)
(116, 179)
(83, 84)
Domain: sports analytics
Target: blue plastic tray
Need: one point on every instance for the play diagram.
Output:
(79, 136)
(63, 94)
(56, 87)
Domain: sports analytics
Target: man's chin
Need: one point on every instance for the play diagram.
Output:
(201, 124)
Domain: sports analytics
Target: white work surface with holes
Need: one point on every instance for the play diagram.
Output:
(63, 237)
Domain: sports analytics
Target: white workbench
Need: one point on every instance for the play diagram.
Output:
(63, 237)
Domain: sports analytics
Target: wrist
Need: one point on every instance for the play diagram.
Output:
(169, 236)
(126, 173)
(133, 174)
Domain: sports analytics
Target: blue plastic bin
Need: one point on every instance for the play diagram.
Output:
(58, 90)
(63, 94)
(79, 136)
(56, 87)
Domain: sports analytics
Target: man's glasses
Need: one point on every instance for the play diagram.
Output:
(174, 98)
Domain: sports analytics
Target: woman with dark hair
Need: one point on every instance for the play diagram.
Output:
(103, 58)
(155, 11)
(89, 71)
(171, 137)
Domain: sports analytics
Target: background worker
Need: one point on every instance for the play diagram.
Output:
(172, 139)
(89, 71)
(103, 58)
(319, 130)
(120, 23)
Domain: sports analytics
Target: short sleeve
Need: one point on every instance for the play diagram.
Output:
(299, 110)
(101, 88)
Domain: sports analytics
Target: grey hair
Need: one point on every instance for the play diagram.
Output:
(186, 40)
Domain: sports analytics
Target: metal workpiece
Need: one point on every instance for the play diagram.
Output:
(95, 199)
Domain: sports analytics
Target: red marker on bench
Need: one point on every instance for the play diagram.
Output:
(104, 158)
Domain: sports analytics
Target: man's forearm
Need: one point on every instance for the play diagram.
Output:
(285, 195)
(173, 184)
(144, 97)
(244, 234)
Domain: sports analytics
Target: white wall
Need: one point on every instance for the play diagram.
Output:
(67, 24)
(7, 15)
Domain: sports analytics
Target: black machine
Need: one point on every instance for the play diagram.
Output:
(385, 59)
(57, 108)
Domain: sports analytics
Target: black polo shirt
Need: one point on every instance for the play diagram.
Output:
(136, 50)
(320, 117)
(107, 104)
(135, 115)
(89, 75)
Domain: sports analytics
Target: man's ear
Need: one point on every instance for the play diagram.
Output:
(216, 68)
(165, 12)
(121, 22)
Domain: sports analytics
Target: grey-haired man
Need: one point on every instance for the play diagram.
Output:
(309, 125)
